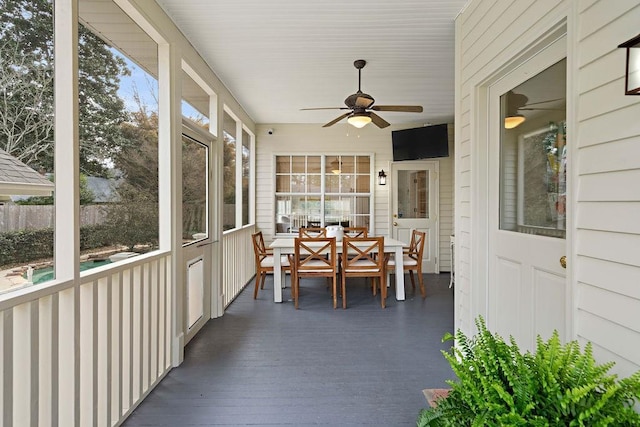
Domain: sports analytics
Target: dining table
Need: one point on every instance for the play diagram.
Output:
(286, 245)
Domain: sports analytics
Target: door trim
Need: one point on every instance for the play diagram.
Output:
(480, 173)
(435, 164)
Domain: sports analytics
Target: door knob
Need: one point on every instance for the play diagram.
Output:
(395, 223)
(563, 261)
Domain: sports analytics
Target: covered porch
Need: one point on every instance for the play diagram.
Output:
(268, 364)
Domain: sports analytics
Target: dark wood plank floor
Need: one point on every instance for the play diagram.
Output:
(266, 364)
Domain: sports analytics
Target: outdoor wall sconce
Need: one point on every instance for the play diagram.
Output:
(632, 72)
(382, 177)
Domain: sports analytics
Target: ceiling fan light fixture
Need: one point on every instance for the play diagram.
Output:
(513, 121)
(336, 167)
(359, 120)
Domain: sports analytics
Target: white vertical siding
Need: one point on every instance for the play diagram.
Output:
(344, 139)
(605, 165)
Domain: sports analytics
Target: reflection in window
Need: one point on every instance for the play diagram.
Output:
(413, 194)
(321, 191)
(533, 163)
(194, 190)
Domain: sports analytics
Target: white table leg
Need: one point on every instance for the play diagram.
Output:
(277, 275)
(399, 274)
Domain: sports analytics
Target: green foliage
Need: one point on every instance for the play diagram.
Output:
(558, 385)
(26, 89)
(134, 219)
(25, 246)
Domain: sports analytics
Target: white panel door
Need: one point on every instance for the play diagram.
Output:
(415, 206)
(527, 290)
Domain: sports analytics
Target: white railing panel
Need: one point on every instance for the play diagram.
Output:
(136, 333)
(126, 341)
(102, 352)
(5, 369)
(115, 338)
(145, 327)
(22, 332)
(47, 363)
(67, 380)
(238, 262)
(86, 354)
(154, 321)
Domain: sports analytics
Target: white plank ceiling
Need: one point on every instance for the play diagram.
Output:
(279, 56)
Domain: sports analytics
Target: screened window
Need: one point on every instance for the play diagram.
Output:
(229, 179)
(194, 190)
(26, 144)
(118, 113)
(246, 152)
(316, 191)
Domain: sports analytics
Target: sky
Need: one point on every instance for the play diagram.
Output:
(147, 88)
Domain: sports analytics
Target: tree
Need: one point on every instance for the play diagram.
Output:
(133, 220)
(229, 173)
(26, 89)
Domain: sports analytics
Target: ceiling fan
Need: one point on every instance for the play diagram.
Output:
(362, 109)
(517, 102)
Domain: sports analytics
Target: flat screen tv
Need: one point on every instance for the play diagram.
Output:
(420, 143)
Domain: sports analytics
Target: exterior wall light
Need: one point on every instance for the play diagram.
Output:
(632, 71)
(382, 177)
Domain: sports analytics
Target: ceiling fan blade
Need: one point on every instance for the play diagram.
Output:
(334, 121)
(363, 102)
(537, 109)
(542, 102)
(378, 121)
(402, 108)
(325, 108)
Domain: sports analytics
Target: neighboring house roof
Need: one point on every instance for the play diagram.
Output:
(18, 178)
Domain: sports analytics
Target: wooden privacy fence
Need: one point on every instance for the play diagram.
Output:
(35, 217)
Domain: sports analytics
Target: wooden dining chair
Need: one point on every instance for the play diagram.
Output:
(264, 261)
(364, 257)
(356, 231)
(313, 257)
(412, 259)
(312, 232)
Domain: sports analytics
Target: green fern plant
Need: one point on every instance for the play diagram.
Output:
(558, 385)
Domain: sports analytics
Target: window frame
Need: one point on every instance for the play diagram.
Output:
(323, 194)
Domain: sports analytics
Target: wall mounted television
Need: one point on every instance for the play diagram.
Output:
(420, 143)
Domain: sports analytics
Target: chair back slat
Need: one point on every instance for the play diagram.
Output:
(362, 253)
(364, 257)
(315, 255)
(356, 231)
(259, 247)
(416, 247)
(312, 232)
(264, 261)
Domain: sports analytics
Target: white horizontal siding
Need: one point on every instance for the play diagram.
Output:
(607, 198)
(605, 164)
